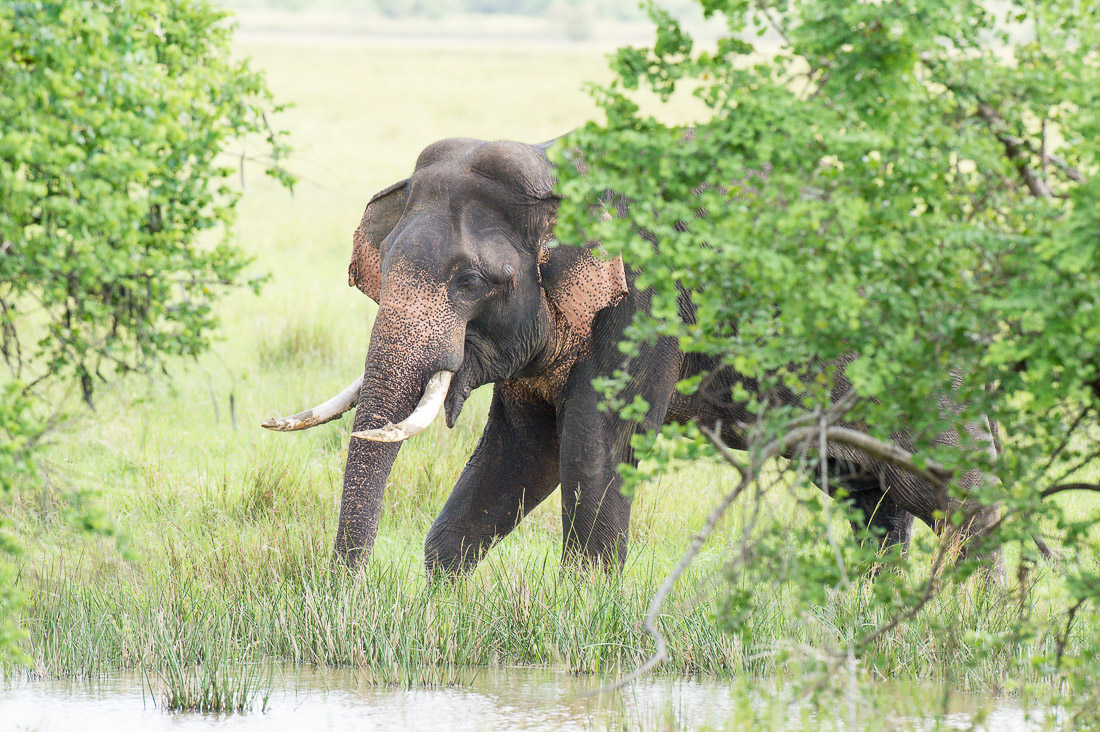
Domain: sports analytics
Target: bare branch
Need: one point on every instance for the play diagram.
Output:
(1051, 555)
(832, 415)
(933, 472)
(649, 625)
(1071, 469)
(1017, 151)
(1054, 490)
(1064, 637)
(1071, 172)
(1065, 440)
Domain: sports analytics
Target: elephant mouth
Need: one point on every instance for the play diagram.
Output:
(461, 387)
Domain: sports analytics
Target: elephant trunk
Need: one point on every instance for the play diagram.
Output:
(408, 361)
(369, 463)
(368, 466)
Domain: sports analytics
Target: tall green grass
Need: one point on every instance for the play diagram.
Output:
(275, 598)
(215, 686)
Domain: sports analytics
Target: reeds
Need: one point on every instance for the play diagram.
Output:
(215, 688)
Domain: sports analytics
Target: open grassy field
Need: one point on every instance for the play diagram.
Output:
(223, 530)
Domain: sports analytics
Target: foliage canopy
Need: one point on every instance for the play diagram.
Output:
(915, 185)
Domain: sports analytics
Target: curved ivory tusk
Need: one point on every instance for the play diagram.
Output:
(430, 404)
(320, 414)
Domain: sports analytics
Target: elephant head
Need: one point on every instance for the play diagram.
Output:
(469, 291)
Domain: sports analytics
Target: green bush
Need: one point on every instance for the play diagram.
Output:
(913, 186)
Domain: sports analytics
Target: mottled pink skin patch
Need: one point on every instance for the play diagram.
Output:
(570, 304)
(416, 314)
(589, 286)
(365, 270)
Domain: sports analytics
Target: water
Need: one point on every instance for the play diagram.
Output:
(497, 699)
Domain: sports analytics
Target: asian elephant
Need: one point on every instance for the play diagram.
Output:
(470, 291)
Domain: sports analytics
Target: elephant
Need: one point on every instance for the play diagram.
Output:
(472, 290)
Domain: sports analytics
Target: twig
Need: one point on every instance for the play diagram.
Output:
(1065, 442)
(1078, 465)
(764, 10)
(833, 414)
(1064, 637)
(1071, 172)
(1015, 150)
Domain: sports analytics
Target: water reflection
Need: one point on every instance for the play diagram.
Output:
(496, 699)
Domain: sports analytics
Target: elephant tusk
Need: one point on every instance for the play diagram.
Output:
(427, 410)
(320, 414)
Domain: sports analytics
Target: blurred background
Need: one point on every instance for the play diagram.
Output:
(596, 21)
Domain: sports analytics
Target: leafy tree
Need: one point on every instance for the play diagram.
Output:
(115, 117)
(114, 122)
(914, 186)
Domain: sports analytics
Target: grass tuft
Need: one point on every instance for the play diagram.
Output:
(212, 687)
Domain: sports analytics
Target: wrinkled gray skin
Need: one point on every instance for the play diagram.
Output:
(457, 258)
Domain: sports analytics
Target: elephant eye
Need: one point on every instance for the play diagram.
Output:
(469, 281)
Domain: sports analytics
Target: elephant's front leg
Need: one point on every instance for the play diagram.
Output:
(513, 469)
(595, 513)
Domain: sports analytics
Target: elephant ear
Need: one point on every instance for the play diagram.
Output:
(579, 284)
(382, 214)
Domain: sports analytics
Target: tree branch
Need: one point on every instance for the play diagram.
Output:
(1016, 151)
(782, 445)
(1065, 440)
(649, 625)
(933, 472)
(1054, 490)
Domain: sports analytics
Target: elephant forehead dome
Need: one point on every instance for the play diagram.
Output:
(453, 148)
(515, 165)
(454, 164)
